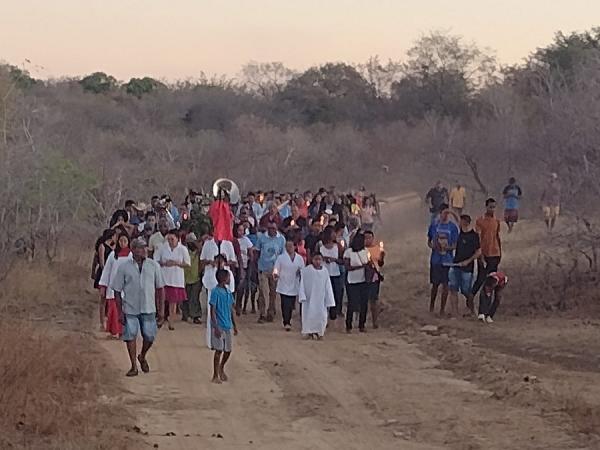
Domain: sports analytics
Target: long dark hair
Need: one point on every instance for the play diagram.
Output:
(118, 247)
(358, 243)
(106, 235)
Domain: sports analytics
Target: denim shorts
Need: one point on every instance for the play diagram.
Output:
(460, 280)
(144, 322)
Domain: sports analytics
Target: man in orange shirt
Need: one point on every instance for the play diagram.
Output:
(488, 228)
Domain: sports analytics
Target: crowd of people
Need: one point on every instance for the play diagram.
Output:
(209, 260)
(461, 249)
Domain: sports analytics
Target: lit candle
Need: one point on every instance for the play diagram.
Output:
(292, 223)
(275, 272)
(342, 243)
(322, 220)
(381, 245)
(307, 203)
(369, 255)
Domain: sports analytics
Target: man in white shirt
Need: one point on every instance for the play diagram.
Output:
(287, 275)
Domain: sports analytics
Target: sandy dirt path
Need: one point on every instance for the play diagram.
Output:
(363, 391)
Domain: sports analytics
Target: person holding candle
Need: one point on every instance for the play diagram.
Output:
(377, 253)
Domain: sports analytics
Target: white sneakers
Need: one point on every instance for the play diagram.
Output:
(485, 319)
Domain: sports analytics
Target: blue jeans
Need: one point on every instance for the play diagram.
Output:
(460, 280)
(144, 322)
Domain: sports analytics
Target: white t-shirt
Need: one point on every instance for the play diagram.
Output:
(288, 270)
(333, 268)
(209, 251)
(173, 276)
(245, 245)
(356, 259)
(156, 241)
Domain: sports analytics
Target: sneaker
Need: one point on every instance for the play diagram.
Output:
(197, 321)
(488, 319)
(288, 328)
(481, 317)
(261, 319)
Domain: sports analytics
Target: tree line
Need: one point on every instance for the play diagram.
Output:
(71, 150)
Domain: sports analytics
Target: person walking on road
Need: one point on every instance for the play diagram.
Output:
(135, 285)
(488, 228)
(222, 319)
(435, 198)
(551, 201)
(512, 194)
(316, 298)
(287, 276)
(270, 245)
(441, 239)
(458, 198)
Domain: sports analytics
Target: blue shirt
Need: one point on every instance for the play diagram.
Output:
(513, 194)
(442, 234)
(270, 248)
(221, 300)
(285, 211)
(253, 238)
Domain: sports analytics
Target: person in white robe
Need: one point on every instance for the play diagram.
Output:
(316, 296)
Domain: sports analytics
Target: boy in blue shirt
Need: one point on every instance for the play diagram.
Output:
(222, 322)
(441, 239)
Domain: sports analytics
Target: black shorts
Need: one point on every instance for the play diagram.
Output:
(438, 274)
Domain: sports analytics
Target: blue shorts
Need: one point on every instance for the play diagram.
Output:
(438, 274)
(133, 324)
(460, 281)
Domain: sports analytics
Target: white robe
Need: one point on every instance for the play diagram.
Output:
(316, 296)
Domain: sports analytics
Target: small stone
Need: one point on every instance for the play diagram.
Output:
(390, 422)
(399, 434)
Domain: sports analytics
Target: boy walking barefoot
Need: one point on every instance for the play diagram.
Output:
(222, 316)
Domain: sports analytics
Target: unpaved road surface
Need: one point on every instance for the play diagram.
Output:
(386, 389)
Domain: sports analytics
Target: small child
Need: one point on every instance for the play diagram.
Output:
(490, 296)
(222, 316)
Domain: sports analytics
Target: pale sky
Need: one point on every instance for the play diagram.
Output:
(176, 39)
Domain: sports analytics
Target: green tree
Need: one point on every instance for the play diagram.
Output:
(329, 93)
(142, 86)
(441, 75)
(98, 83)
(567, 53)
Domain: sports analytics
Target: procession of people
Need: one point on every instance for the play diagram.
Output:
(204, 261)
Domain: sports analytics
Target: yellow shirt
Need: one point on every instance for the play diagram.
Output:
(457, 197)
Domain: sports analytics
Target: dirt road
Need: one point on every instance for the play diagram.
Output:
(379, 390)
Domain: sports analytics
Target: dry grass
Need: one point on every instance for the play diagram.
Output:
(50, 391)
(585, 416)
(53, 373)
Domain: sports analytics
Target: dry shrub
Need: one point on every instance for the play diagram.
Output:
(50, 391)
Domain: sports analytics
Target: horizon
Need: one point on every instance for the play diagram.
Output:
(66, 39)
